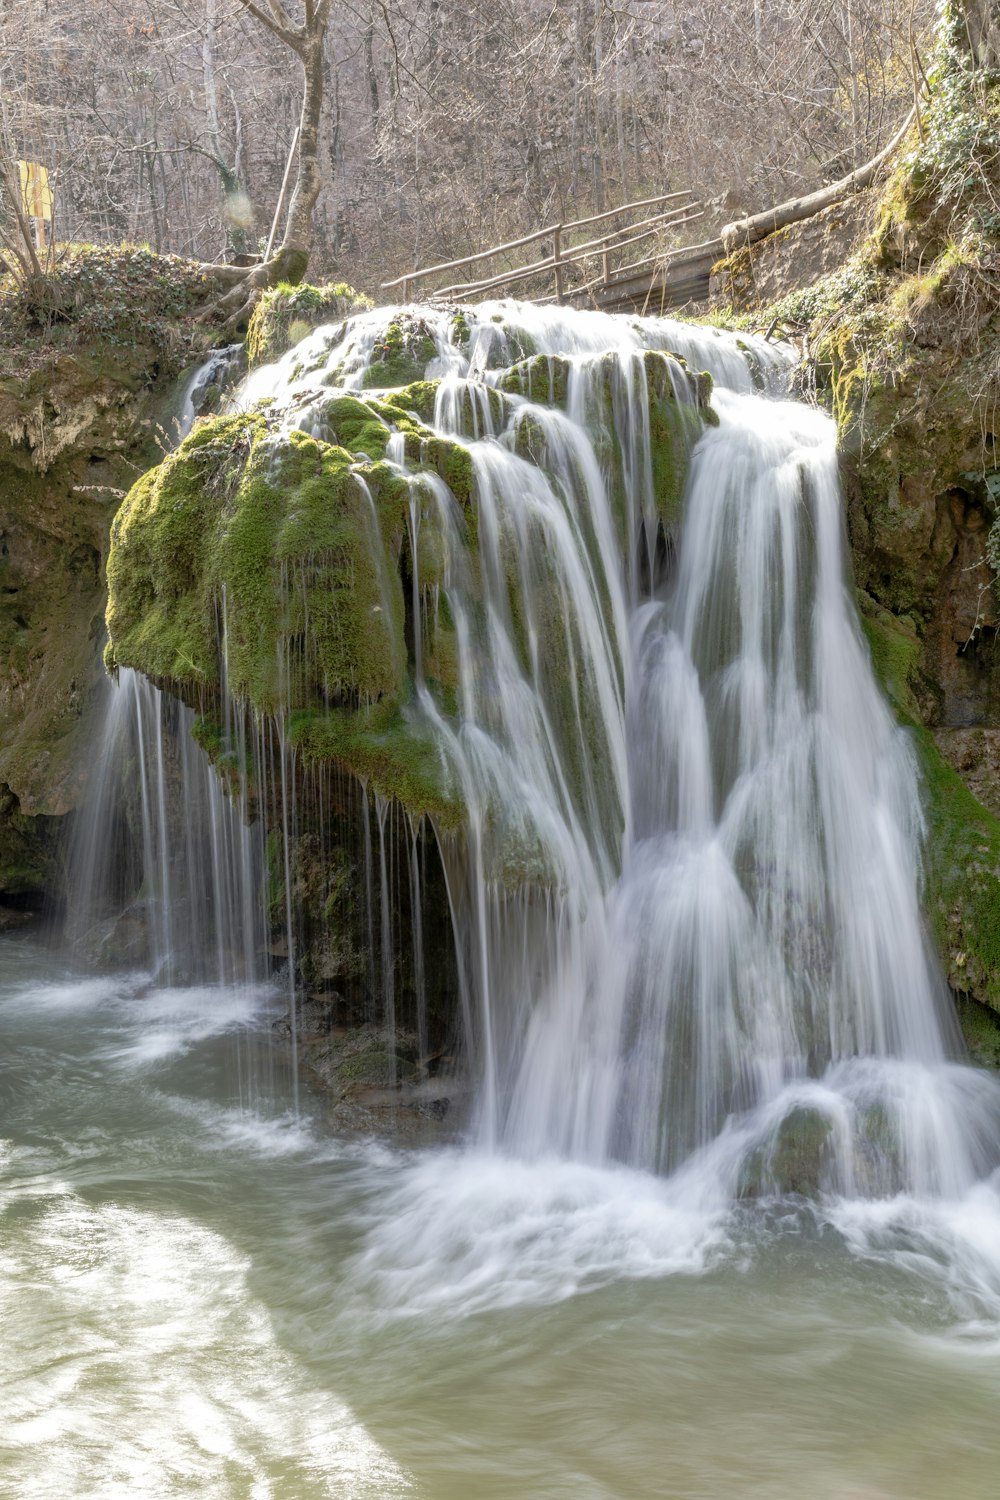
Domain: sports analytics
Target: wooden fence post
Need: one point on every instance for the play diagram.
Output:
(557, 265)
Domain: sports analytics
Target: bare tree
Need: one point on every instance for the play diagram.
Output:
(430, 128)
(289, 264)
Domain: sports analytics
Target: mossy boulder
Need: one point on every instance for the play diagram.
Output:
(401, 356)
(795, 1158)
(281, 563)
(285, 314)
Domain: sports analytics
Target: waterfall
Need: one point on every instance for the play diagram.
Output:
(167, 865)
(686, 890)
(164, 867)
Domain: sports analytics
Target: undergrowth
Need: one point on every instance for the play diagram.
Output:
(123, 303)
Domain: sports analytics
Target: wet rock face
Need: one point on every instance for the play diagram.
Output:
(377, 1083)
(29, 860)
(86, 402)
(794, 1160)
(51, 598)
(919, 547)
(53, 528)
(960, 636)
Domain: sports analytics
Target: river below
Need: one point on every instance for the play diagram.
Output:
(206, 1293)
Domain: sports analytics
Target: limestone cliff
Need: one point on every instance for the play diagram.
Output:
(89, 365)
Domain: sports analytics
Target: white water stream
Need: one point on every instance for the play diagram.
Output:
(717, 997)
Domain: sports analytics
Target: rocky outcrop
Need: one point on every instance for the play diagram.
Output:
(794, 258)
(88, 381)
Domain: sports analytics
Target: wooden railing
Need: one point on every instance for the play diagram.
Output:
(563, 254)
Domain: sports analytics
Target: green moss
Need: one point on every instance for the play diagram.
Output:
(963, 876)
(401, 356)
(895, 648)
(391, 749)
(674, 428)
(292, 264)
(357, 426)
(543, 379)
(297, 550)
(286, 314)
(418, 399)
(454, 464)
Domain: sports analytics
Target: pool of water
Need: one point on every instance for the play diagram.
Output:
(205, 1293)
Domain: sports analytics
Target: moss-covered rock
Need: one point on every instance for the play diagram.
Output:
(286, 314)
(287, 556)
(675, 423)
(401, 356)
(794, 1160)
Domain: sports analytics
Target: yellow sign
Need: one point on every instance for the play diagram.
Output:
(36, 195)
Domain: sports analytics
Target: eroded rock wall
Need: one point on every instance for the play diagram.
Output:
(89, 372)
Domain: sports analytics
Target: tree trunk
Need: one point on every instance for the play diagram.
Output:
(980, 23)
(297, 240)
(290, 261)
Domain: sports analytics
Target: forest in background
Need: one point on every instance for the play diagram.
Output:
(446, 126)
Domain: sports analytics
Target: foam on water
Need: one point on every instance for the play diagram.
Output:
(460, 1233)
(166, 1023)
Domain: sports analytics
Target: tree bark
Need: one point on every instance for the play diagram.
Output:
(308, 179)
(292, 258)
(981, 25)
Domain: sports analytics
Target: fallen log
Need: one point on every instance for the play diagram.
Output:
(758, 226)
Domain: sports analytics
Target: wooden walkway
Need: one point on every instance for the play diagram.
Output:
(669, 277)
(583, 272)
(678, 278)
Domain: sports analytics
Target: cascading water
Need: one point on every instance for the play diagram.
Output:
(693, 977)
(687, 904)
(168, 868)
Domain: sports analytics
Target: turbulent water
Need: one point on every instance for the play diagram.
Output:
(201, 1299)
(726, 1220)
